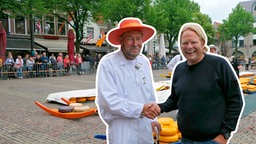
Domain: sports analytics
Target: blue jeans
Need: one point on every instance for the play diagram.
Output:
(187, 141)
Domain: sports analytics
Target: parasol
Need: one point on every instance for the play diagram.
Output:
(2, 42)
(71, 43)
(162, 46)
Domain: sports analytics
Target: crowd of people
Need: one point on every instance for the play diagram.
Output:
(40, 65)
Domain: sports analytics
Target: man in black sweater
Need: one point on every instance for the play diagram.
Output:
(205, 90)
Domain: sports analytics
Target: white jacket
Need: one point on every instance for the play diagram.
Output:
(123, 87)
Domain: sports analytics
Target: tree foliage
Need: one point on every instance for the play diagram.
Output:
(174, 14)
(239, 23)
(115, 10)
(23, 8)
(78, 11)
(206, 22)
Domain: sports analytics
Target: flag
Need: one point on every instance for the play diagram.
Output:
(101, 40)
(38, 26)
(89, 38)
(61, 27)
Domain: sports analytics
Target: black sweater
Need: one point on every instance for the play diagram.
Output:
(208, 97)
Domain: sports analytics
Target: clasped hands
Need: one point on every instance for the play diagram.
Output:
(151, 110)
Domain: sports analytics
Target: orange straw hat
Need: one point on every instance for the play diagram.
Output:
(130, 24)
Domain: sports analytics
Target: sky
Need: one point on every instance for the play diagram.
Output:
(217, 9)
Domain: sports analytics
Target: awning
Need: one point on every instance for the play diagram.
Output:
(94, 48)
(20, 44)
(53, 45)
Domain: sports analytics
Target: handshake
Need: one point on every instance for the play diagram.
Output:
(151, 110)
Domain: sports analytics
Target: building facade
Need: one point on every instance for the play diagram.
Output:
(50, 34)
(247, 44)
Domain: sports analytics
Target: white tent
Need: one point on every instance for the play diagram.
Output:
(162, 46)
(150, 48)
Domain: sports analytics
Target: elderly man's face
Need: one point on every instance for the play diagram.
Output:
(131, 44)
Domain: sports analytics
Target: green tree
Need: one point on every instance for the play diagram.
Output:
(174, 14)
(239, 23)
(23, 8)
(115, 10)
(79, 11)
(206, 22)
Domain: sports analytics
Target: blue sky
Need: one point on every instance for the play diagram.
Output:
(217, 9)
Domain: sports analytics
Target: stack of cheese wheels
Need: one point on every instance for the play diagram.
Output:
(251, 88)
(81, 99)
(170, 132)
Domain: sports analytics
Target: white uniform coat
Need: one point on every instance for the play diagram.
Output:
(123, 87)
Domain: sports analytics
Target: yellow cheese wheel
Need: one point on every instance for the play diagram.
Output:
(174, 124)
(75, 104)
(169, 139)
(91, 98)
(72, 99)
(81, 108)
(81, 99)
(165, 121)
(168, 131)
(251, 86)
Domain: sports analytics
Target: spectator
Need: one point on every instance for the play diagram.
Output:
(163, 62)
(247, 63)
(45, 61)
(9, 63)
(38, 65)
(30, 64)
(53, 61)
(97, 60)
(174, 61)
(214, 49)
(60, 63)
(79, 61)
(150, 60)
(236, 65)
(25, 62)
(66, 64)
(18, 65)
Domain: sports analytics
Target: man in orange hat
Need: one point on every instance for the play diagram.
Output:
(125, 85)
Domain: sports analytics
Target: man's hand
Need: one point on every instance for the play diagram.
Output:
(151, 110)
(220, 139)
(155, 124)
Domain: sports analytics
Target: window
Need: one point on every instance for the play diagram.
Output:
(20, 25)
(49, 25)
(90, 32)
(254, 42)
(38, 25)
(4, 19)
(61, 27)
(233, 44)
(241, 43)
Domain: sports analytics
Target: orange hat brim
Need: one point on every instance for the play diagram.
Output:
(113, 36)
